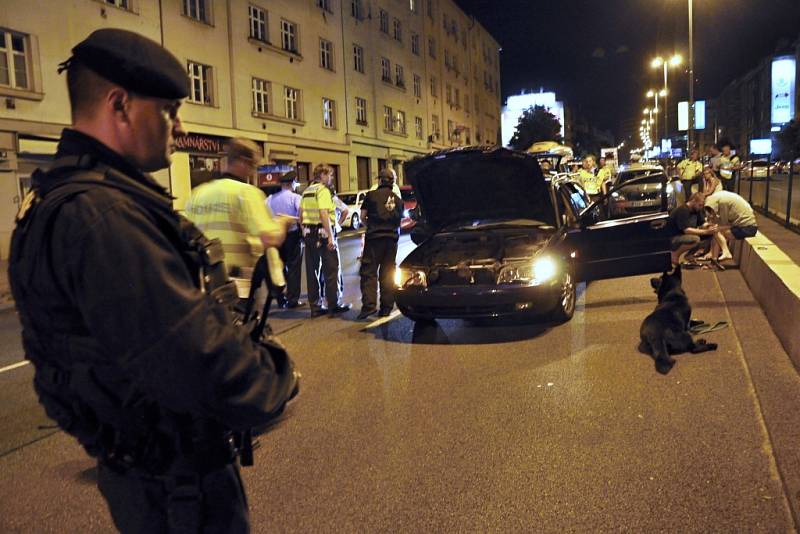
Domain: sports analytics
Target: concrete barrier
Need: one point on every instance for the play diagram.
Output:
(774, 280)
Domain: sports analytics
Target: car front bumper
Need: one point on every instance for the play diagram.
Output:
(466, 302)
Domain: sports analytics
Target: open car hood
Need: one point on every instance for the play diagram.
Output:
(480, 184)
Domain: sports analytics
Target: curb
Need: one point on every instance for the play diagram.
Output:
(774, 280)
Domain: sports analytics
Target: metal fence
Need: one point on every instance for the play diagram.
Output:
(773, 189)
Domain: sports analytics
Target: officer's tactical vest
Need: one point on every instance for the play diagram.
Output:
(64, 364)
(309, 205)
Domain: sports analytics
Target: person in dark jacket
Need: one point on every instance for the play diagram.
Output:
(382, 211)
(131, 357)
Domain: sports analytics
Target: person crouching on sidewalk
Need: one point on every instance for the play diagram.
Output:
(686, 227)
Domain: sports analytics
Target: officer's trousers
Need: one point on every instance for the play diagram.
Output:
(292, 255)
(141, 504)
(378, 262)
(320, 261)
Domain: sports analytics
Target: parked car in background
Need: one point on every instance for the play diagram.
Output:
(757, 169)
(517, 245)
(409, 203)
(653, 191)
(353, 199)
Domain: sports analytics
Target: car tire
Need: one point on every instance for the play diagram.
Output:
(566, 299)
(355, 222)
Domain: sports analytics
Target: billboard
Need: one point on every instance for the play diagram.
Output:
(699, 115)
(761, 146)
(783, 82)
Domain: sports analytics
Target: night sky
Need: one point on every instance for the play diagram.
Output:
(596, 55)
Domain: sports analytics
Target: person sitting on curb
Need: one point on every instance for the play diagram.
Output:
(735, 219)
(686, 227)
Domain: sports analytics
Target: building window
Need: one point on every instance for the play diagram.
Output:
(448, 93)
(412, 5)
(386, 70)
(361, 111)
(435, 126)
(358, 58)
(399, 78)
(430, 8)
(400, 122)
(289, 36)
(119, 3)
(356, 9)
(291, 98)
(398, 30)
(258, 24)
(417, 86)
(326, 54)
(447, 58)
(324, 4)
(384, 21)
(198, 10)
(432, 47)
(457, 99)
(466, 102)
(328, 113)
(449, 130)
(14, 60)
(387, 118)
(261, 92)
(418, 127)
(415, 44)
(434, 86)
(200, 80)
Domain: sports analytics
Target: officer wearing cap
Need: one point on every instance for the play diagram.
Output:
(286, 202)
(382, 211)
(131, 357)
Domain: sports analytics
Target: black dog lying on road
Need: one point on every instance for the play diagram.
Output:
(666, 331)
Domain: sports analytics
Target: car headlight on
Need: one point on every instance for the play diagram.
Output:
(537, 272)
(544, 269)
(404, 277)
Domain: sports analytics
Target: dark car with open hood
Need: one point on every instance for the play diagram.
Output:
(498, 238)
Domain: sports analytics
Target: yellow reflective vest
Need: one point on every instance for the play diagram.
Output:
(235, 213)
(317, 197)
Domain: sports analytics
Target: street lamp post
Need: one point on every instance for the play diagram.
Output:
(689, 135)
(674, 61)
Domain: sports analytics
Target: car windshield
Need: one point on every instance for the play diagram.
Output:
(648, 176)
(494, 223)
(349, 198)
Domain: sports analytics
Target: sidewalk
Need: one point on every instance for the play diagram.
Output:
(787, 240)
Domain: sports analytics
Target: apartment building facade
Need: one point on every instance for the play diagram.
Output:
(356, 84)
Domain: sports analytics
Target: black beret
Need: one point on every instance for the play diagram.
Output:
(133, 62)
(290, 176)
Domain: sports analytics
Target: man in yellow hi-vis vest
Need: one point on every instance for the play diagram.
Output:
(318, 220)
(233, 211)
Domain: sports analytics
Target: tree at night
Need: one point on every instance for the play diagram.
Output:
(536, 124)
(789, 140)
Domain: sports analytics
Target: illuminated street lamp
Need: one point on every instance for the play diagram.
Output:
(674, 61)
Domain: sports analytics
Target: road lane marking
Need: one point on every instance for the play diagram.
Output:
(14, 366)
(383, 320)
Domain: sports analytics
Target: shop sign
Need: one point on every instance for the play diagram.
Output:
(203, 144)
(271, 174)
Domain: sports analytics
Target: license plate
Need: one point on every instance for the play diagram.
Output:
(640, 203)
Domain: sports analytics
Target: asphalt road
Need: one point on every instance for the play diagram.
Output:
(492, 427)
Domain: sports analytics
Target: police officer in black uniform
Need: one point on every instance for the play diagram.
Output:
(382, 211)
(123, 304)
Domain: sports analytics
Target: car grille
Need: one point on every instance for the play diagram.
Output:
(463, 277)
